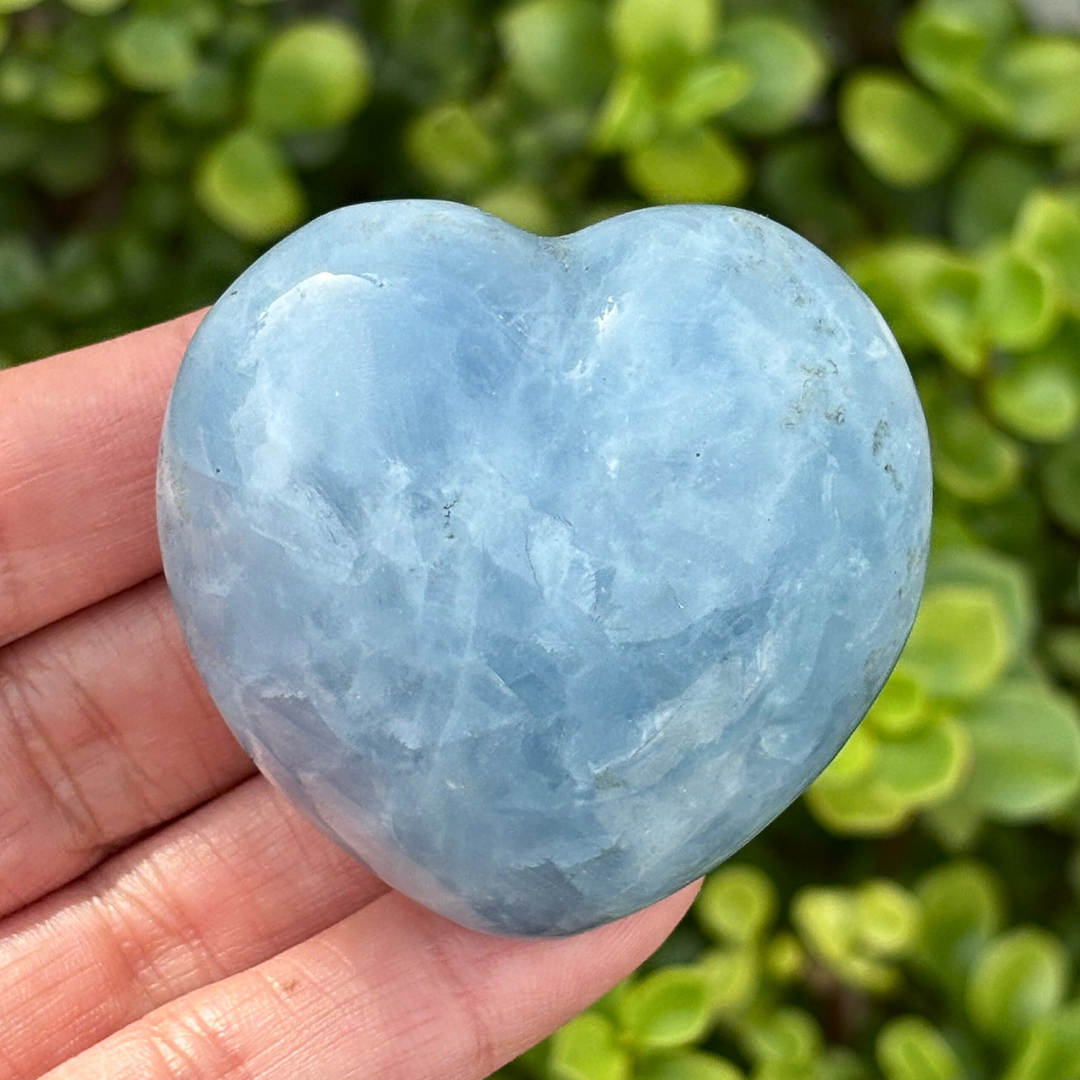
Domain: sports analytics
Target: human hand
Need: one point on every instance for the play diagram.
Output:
(164, 913)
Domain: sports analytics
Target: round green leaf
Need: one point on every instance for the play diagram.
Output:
(70, 96)
(708, 88)
(788, 1036)
(314, 74)
(8, 6)
(630, 116)
(1007, 578)
(687, 1065)
(1048, 232)
(667, 1009)
(789, 71)
(1051, 1049)
(1020, 977)
(904, 137)
(1061, 485)
(926, 765)
(244, 183)
(453, 148)
(644, 30)
(866, 808)
(557, 49)
(1036, 397)
(524, 205)
(887, 917)
(22, 275)
(962, 908)
(945, 304)
(1026, 751)
(95, 7)
(911, 1048)
(587, 1049)
(206, 97)
(1041, 76)
(989, 189)
(1017, 302)
(737, 903)
(732, 976)
(972, 459)
(900, 708)
(152, 52)
(960, 642)
(698, 166)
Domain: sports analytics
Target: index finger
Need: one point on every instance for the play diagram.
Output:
(78, 446)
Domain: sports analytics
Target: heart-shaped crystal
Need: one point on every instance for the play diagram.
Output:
(543, 573)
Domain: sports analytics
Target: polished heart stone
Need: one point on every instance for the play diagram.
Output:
(543, 573)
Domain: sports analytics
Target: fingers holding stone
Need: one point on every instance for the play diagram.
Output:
(216, 892)
(78, 445)
(393, 992)
(105, 731)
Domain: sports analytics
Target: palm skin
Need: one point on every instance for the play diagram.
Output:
(164, 913)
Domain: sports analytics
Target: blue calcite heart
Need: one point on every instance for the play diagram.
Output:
(543, 573)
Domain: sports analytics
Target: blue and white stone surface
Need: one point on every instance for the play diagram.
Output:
(543, 573)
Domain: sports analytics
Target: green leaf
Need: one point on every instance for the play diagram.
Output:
(149, 51)
(697, 166)
(962, 908)
(947, 43)
(95, 7)
(1061, 485)
(587, 1049)
(787, 1036)
(989, 189)
(898, 130)
(687, 1065)
(960, 642)
(1026, 745)
(926, 765)
(1041, 76)
(8, 6)
(911, 1048)
(630, 115)
(900, 708)
(557, 50)
(1017, 302)
(1007, 578)
(647, 30)
(1048, 231)
(453, 148)
(1051, 1049)
(1020, 977)
(732, 976)
(667, 1009)
(861, 809)
(245, 184)
(71, 96)
(1036, 397)
(314, 74)
(973, 460)
(206, 97)
(887, 918)
(737, 903)
(945, 303)
(22, 275)
(789, 71)
(706, 89)
(524, 205)
(827, 921)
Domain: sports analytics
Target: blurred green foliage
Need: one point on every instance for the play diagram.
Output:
(915, 916)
